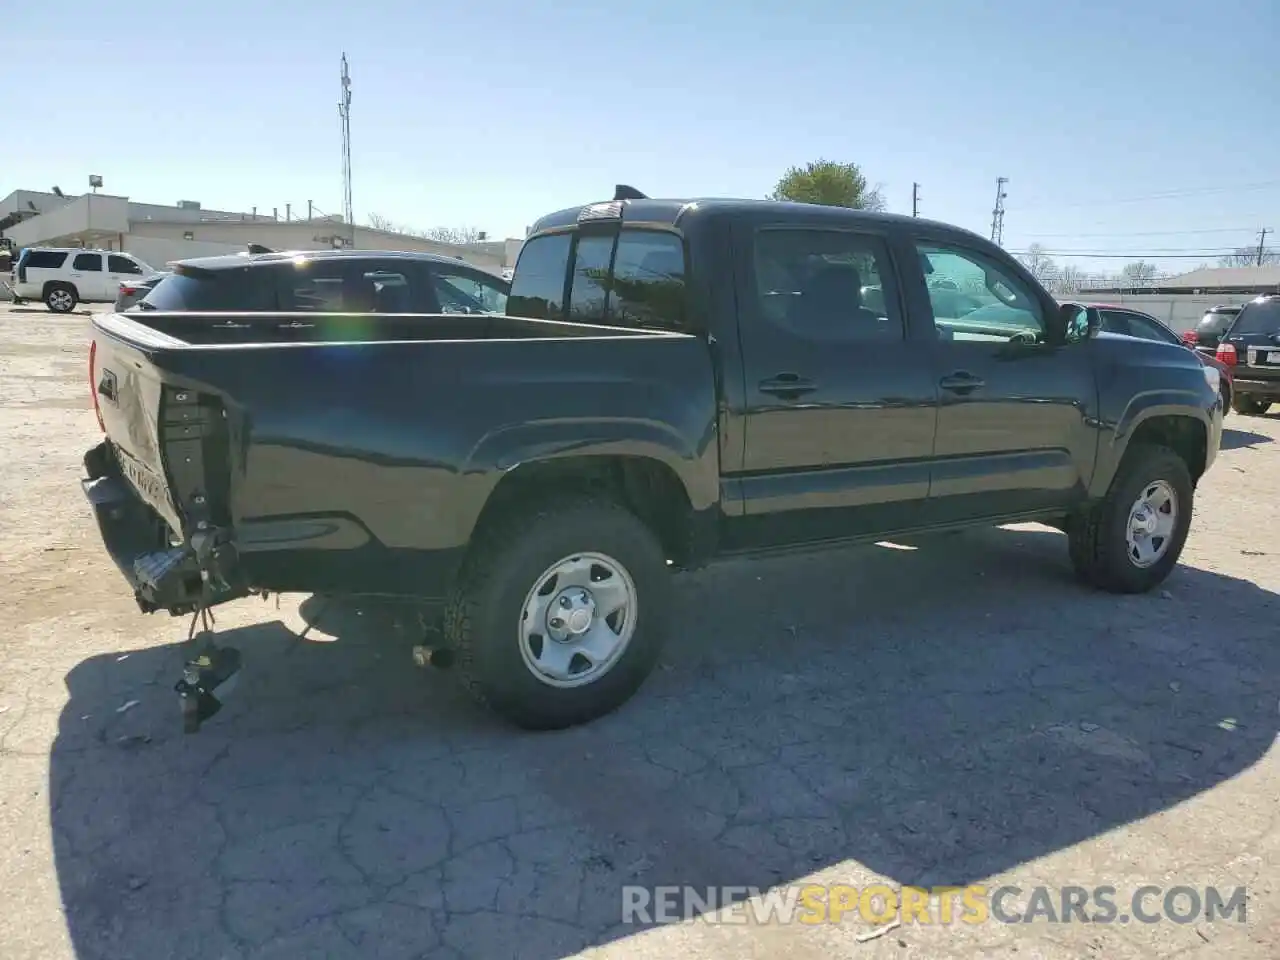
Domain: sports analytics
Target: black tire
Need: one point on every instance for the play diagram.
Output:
(482, 619)
(1247, 406)
(1097, 538)
(61, 297)
(1225, 390)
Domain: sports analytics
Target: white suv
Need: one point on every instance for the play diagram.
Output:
(63, 277)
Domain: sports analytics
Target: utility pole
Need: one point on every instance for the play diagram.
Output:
(997, 214)
(344, 113)
(1262, 239)
(915, 199)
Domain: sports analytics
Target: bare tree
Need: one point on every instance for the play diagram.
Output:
(1138, 274)
(1248, 257)
(1038, 263)
(1070, 277)
(456, 235)
(452, 234)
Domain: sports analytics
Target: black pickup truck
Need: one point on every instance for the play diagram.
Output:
(672, 382)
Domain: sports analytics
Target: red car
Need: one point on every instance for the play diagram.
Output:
(1134, 323)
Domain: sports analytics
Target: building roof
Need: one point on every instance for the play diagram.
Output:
(1221, 278)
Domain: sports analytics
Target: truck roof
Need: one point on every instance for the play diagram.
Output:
(230, 261)
(674, 213)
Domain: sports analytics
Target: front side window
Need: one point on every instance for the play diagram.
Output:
(537, 284)
(975, 298)
(827, 284)
(87, 262)
(1148, 329)
(466, 292)
(118, 264)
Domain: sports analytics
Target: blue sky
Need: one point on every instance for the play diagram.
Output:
(491, 114)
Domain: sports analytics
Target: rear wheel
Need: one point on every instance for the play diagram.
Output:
(1131, 540)
(1248, 406)
(561, 613)
(61, 297)
(1225, 391)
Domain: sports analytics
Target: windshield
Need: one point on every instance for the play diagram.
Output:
(1216, 321)
(1259, 317)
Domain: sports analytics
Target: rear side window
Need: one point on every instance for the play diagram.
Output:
(237, 289)
(42, 259)
(537, 286)
(1259, 317)
(352, 286)
(88, 262)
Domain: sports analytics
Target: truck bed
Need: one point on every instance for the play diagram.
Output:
(354, 452)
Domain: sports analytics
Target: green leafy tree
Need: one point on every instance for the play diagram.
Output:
(830, 183)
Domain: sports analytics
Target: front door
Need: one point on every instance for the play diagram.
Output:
(1013, 434)
(120, 269)
(840, 400)
(88, 276)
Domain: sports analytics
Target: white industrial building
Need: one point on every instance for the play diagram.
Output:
(160, 234)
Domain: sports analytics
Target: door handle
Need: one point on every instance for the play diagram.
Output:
(788, 386)
(961, 382)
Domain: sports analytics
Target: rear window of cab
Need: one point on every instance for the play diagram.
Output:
(631, 277)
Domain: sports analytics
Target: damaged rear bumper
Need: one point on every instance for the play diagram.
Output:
(162, 575)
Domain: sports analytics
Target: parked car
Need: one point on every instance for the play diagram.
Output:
(66, 276)
(1206, 334)
(673, 383)
(1251, 347)
(333, 281)
(1135, 323)
(131, 291)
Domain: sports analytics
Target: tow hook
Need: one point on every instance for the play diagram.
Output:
(212, 668)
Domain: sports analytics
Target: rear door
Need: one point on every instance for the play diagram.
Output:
(1255, 336)
(841, 400)
(90, 277)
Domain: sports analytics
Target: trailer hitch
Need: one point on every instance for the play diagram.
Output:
(212, 668)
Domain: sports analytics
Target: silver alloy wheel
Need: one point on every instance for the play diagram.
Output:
(61, 300)
(577, 620)
(1152, 520)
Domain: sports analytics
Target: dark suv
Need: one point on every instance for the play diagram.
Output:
(1208, 332)
(1251, 346)
(329, 281)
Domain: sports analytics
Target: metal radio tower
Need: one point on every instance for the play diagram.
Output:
(997, 215)
(344, 112)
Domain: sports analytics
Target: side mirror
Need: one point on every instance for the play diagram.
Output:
(1079, 322)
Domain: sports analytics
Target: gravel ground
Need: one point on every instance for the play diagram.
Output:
(958, 712)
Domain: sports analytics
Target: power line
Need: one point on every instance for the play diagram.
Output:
(1154, 233)
(1166, 195)
(1152, 255)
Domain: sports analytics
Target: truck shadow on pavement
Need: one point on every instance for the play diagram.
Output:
(930, 713)
(1233, 439)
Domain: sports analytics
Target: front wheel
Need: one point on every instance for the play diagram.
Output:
(1130, 542)
(560, 616)
(61, 297)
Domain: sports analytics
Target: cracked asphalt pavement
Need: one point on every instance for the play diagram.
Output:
(951, 710)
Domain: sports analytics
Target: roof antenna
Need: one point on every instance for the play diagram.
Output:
(624, 192)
